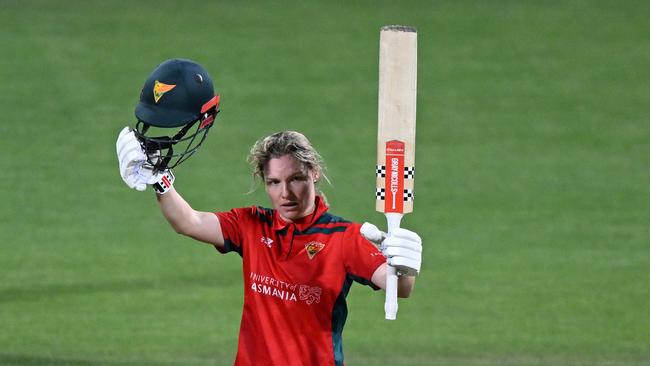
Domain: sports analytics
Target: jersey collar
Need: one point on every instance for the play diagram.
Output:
(305, 222)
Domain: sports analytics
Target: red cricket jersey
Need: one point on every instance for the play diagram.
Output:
(296, 278)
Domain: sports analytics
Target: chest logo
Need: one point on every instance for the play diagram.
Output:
(313, 247)
(266, 241)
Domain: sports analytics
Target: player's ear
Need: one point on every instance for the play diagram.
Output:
(315, 175)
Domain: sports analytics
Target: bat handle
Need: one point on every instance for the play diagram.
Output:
(390, 306)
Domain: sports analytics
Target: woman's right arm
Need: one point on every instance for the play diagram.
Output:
(202, 226)
(137, 173)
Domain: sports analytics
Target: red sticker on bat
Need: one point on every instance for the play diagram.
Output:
(394, 176)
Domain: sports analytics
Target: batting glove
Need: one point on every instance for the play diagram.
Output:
(135, 169)
(402, 248)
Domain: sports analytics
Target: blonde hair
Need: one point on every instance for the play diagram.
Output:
(283, 143)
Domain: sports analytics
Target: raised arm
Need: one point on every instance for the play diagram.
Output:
(200, 225)
(137, 173)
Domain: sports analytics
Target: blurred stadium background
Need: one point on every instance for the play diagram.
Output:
(532, 193)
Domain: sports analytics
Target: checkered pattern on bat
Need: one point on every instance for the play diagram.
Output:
(409, 172)
(381, 171)
(380, 194)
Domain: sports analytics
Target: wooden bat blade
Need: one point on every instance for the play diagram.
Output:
(396, 136)
(396, 119)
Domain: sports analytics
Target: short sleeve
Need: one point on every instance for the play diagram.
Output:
(361, 258)
(230, 222)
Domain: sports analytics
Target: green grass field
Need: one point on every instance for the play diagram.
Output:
(532, 195)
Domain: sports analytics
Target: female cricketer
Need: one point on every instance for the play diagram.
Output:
(298, 259)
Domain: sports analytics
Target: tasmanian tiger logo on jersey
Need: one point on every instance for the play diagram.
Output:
(313, 247)
(310, 294)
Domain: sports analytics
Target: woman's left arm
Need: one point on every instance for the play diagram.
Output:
(404, 283)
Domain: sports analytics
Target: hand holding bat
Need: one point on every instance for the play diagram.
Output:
(402, 249)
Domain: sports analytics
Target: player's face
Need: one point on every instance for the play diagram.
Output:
(291, 187)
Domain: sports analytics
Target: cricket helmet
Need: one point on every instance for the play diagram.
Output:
(178, 102)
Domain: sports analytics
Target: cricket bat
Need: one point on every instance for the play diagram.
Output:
(396, 135)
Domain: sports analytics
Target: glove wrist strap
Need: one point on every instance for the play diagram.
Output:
(165, 183)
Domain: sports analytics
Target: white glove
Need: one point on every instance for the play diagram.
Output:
(402, 248)
(135, 169)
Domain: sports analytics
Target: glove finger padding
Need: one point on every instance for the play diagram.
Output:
(121, 138)
(390, 252)
(403, 248)
(124, 131)
(130, 149)
(407, 235)
(397, 242)
(133, 161)
(125, 137)
(406, 266)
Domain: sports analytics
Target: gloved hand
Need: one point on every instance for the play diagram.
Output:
(135, 169)
(402, 248)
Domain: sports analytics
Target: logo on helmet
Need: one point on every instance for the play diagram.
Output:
(159, 89)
